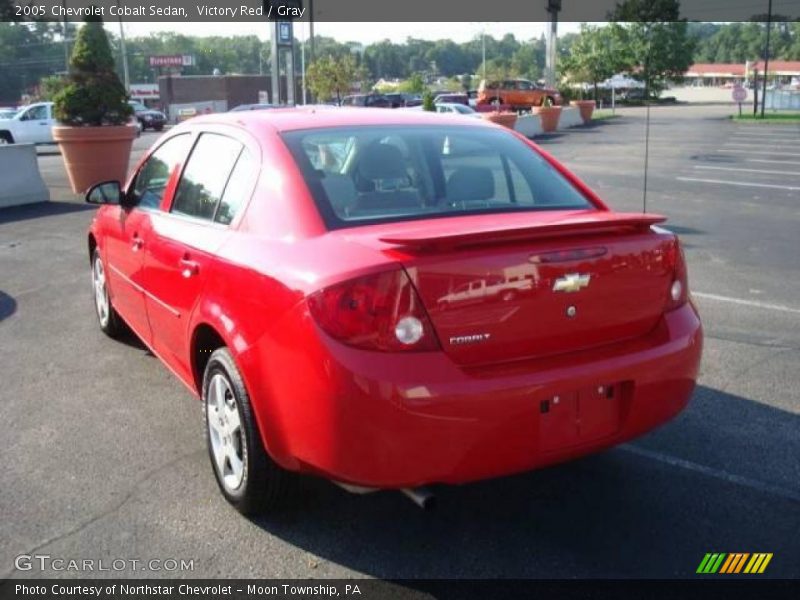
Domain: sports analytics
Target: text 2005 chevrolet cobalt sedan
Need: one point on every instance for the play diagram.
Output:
(389, 300)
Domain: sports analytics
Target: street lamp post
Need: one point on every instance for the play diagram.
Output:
(66, 42)
(766, 61)
(125, 72)
(483, 51)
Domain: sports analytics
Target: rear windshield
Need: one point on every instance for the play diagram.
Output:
(366, 175)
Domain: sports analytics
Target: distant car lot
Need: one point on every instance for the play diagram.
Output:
(724, 476)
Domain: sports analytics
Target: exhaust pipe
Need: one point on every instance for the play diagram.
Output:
(421, 496)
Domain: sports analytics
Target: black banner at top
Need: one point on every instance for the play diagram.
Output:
(374, 10)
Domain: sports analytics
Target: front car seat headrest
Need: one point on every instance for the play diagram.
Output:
(470, 183)
(382, 161)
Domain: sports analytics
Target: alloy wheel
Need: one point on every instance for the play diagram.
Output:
(225, 432)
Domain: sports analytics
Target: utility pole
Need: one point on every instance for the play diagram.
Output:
(311, 28)
(303, 67)
(553, 7)
(66, 41)
(125, 72)
(483, 50)
(766, 60)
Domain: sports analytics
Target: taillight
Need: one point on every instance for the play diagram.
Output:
(375, 312)
(679, 288)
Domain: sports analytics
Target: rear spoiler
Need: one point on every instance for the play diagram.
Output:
(519, 228)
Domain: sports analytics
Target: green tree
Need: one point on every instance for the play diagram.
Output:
(427, 101)
(93, 95)
(51, 86)
(597, 54)
(414, 84)
(331, 77)
(657, 39)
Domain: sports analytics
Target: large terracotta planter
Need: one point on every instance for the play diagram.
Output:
(549, 116)
(586, 108)
(95, 154)
(506, 119)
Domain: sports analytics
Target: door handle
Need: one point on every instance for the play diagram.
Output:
(137, 243)
(189, 268)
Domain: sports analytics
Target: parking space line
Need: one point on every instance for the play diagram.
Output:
(779, 162)
(740, 170)
(765, 139)
(674, 461)
(773, 152)
(778, 145)
(740, 183)
(743, 302)
(768, 135)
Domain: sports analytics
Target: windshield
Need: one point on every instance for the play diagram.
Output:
(364, 175)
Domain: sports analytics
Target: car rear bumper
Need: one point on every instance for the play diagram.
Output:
(388, 420)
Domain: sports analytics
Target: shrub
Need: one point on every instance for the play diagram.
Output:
(427, 101)
(93, 95)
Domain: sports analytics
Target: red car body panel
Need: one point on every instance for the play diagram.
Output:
(543, 389)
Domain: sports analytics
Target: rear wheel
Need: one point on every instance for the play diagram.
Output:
(248, 478)
(110, 322)
(6, 138)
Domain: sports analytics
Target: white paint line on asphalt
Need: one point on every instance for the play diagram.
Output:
(739, 170)
(779, 162)
(753, 140)
(744, 302)
(778, 145)
(674, 461)
(740, 183)
(769, 136)
(780, 152)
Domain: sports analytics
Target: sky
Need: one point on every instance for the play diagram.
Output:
(365, 33)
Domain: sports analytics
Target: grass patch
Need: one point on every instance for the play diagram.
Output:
(776, 117)
(602, 115)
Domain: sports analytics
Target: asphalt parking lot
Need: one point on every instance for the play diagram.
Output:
(104, 456)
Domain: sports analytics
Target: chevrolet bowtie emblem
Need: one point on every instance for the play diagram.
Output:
(573, 282)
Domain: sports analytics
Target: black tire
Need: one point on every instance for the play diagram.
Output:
(264, 485)
(159, 128)
(6, 137)
(110, 323)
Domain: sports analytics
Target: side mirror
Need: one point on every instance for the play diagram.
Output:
(108, 192)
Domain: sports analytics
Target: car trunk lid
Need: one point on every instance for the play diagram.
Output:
(520, 286)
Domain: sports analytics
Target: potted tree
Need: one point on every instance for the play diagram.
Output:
(95, 135)
(585, 107)
(549, 115)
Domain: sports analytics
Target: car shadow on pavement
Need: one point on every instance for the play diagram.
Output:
(25, 212)
(8, 306)
(622, 513)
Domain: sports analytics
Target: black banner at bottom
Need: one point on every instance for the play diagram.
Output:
(411, 589)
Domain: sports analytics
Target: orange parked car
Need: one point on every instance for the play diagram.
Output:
(518, 93)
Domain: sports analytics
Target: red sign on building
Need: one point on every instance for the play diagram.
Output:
(172, 60)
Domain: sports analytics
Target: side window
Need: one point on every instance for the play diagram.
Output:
(239, 186)
(524, 85)
(37, 113)
(205, 176)
(152, 178)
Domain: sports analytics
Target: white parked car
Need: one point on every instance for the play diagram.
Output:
(454, 108)
(33, 124)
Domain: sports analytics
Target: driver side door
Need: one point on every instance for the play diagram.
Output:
(128, 228)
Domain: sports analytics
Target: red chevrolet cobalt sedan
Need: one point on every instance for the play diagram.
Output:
(390, 299)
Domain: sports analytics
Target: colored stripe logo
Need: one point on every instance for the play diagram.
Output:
(734, 563)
